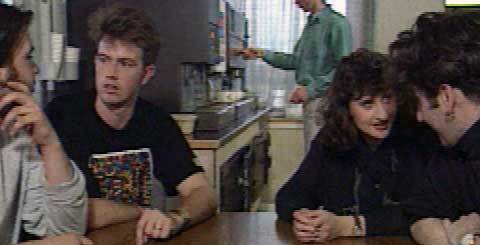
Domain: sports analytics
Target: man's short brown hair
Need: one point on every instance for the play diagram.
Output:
(126, 24)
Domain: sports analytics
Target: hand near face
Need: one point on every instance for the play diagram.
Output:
(468, 224)
(298, 95)
(314, 225)
(66, 239)
(154, 224)
(25, 114)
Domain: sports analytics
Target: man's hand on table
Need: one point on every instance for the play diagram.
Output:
(315, 225)
(155, 224)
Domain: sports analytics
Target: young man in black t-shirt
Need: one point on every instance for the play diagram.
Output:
(121, 142)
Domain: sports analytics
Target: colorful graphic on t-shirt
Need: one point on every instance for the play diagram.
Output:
(124, 176)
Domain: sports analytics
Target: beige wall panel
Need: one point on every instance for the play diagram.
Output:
(393, 16)
(287, 151)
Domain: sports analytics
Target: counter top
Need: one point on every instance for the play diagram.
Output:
(285, 119)
(216, 139)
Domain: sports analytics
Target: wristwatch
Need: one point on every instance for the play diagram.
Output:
(468, 239)
(182, 217)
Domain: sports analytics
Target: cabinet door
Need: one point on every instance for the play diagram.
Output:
(258, 168)
(262, 159)
(249, 177)
(232, 183)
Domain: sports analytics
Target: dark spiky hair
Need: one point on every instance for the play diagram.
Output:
(128, 24)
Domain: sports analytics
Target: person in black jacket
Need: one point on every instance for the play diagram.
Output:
(439, 59)
(360, 166)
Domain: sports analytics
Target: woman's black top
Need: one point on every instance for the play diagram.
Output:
(374, 181)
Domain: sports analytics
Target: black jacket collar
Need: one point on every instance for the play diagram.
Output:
(468, 146)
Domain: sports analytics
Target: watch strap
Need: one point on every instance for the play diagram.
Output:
(181, 216)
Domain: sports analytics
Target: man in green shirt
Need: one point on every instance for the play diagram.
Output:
(326, 38)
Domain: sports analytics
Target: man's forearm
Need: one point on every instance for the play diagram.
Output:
(429, 231)
(279, 60)
(200, 204)
(102, 212)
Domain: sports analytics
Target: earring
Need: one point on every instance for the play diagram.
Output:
(449, 116)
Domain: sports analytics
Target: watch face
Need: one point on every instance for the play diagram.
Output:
(184, 214)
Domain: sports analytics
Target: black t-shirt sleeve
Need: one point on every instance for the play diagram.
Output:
(59, 112)
(177, 159)
(301, 189)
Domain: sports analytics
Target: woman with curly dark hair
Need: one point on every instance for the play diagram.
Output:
(359, 168)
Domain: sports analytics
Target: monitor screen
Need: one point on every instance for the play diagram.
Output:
(462, 3)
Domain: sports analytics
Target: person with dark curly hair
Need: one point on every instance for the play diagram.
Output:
(42, 194)
(128, 148)
(439, 61)
(360, 167)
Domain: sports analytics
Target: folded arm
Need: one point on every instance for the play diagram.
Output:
(197, 204)
(104, 212)
(429, 231)
(197, 198)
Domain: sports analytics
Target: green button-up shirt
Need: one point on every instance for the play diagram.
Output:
(326, 38)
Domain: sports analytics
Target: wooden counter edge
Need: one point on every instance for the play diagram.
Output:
(199, 144)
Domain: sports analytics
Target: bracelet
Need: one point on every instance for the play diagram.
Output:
(357, 226)
(185, 219)
(468, 239)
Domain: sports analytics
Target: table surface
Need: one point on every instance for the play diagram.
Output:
(234, 229)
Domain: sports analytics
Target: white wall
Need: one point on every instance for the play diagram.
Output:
(339, 5)
(360, 14)
(393, 16)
